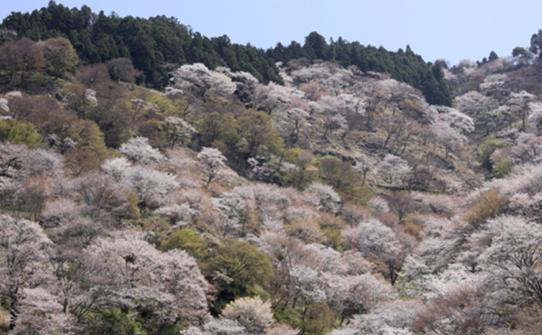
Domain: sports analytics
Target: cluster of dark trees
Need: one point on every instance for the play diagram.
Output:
(158, 44)
(403, 65)
(155, 45)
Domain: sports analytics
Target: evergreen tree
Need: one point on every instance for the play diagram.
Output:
(493, 56)
(316, 47)
(159, 43)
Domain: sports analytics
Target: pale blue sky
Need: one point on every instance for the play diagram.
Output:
(449, 29)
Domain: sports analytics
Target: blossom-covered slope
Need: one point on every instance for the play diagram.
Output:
(338, 203)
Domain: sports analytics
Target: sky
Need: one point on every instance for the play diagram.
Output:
(436, 29)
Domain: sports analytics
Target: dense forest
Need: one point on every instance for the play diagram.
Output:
(158, 44)
(332, 200)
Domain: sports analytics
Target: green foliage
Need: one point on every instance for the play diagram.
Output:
(186, 239)
(311, 318)
(493, 56)
(22, 66)
(485, 151)
(404, 287)
(49, 117)
(238, 269)
(304, 175)
(360, 193)
(19, 132)
(519, 51)
(154, 325)
(316, 47)
(90, 151)
(219, 130)
(4, 320)
(489, 205)
(111, 321)
(344, 178)
(132, 210)
(502, 168)
(60, 56)
(250, 134)
(157, 226)
(121, 69)
(256, 128)
(332, 230)
(170, 107)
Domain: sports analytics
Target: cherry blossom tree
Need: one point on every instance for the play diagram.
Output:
(335, 110)
(528, 148)
(218, 326)
(180, 215)
(139, 150)
(245, 83)
(199, 78)
(292, 124)
(23, 261)
(389, 318)
(437, 251)
(465, 311)
(265, 203)
(273, 98)
(235, 207)
(479, 107)
(473, 101)
(357, 294)
(19, 162)
(394, 170)
(327, 73)
(59, 211)
(373, 238)
(151, 186)
(493, 84)
(212, 161)
(130, 272)
(116, 167)
(514, 256)
(103, 196)
(455, 119)
(42, 314)
(325, 198)
(307, 283)
(450, 138)
(178, 131)
(252, 313)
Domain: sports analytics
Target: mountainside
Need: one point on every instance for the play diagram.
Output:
(333, 198)
(156, 45)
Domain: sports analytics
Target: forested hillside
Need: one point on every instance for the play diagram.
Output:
(159, 44)
(334, 200)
